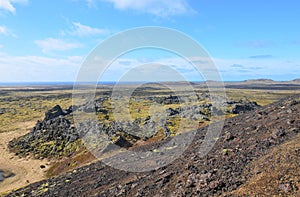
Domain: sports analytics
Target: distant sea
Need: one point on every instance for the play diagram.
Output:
(48, 83)
(71, 83)
(34, 83)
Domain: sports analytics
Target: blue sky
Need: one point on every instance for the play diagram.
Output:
(49, 40)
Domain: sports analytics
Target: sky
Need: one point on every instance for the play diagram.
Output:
(48, 41)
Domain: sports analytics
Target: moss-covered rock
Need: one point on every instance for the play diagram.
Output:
(54, 136)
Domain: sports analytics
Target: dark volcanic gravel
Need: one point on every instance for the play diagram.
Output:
(244, 139)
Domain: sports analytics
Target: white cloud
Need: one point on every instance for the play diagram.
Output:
(8, 4)
(91, 3)
(52, 44)
(36, 68)
(161, 8)
(257, 68)
(163, 69)
(229, 69)
(3, 30)
(6, 32)
(84, 30)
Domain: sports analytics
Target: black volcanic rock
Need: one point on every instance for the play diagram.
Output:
(54, 136)
(167, 100)
(244, 107)
(54, 112)
(172, 111)
(2, 111)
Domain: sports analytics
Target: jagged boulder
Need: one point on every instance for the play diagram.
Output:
(54, 136)
(54, 112)
(2, 111)
(172, 112)
(166, 100)
(51, 138)
(244, 107)
(122, 142)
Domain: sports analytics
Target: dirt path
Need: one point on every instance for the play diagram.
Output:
(26, 170)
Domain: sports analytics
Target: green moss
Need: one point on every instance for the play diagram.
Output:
(27, 106)
(224, 151)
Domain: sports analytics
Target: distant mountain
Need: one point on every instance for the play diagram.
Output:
(259, 81)
(296, 80)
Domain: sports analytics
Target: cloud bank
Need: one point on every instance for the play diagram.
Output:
(8, 4)
(160, 8)
(52, 44)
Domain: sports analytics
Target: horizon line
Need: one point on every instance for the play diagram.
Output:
(127, 82)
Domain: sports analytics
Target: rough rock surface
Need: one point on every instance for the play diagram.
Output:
(51, 137)
(244, 139)
(244, 107)
(54, 112)
(56, 135)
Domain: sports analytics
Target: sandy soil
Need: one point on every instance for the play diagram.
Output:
(26, 170)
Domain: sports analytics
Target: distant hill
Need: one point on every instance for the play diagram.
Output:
(296, 80)
(259, 81)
